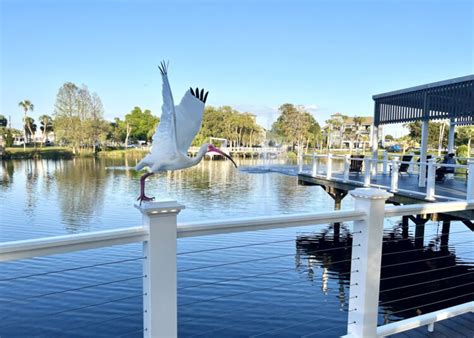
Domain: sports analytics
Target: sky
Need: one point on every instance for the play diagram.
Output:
(330, 56)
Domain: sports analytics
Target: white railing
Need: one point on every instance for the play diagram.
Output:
(160, 231)
(394, 164)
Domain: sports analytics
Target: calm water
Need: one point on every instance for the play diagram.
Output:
(266, 283)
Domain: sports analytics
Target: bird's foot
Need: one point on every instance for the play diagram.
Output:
(145, 198)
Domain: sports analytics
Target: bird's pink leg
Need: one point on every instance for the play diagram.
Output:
(142, 196)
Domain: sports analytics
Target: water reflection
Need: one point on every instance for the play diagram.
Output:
(81, 190)
(414, 280)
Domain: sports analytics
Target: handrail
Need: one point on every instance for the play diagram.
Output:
(266, 223)
(67, 243)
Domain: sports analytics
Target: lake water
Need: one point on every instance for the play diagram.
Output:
(266, 283)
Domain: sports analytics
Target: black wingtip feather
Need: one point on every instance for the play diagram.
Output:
(205, 97)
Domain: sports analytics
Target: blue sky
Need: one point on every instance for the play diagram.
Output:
(331, 56)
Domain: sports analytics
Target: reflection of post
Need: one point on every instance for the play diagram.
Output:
(405, 227)
(445, 235)
(420, 231)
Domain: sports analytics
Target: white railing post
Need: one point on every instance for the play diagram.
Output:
(470, 180)
(430, 184)
(329, 167)
(300, 158)
(411, 167)
(394, 177)
(366, 262)
(314, 169)
(347, 164)
(385, 162)
(159, 269)
(367, 171)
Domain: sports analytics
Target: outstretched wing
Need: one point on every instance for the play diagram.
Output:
(166, 130)
(189, 117)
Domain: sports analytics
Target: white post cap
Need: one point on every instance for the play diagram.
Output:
(159, 207)
(370, 193)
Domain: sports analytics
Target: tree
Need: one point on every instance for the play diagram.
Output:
(389, 138)
(465, 135)
(435, 139)
(79, 117)
(27, 106)
(3, 121)
(140, 124)
(29, 129)
(296, 126)
(46, 127)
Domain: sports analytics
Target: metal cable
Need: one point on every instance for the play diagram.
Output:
(325, 330)
(69, 290)
(129, 333)
(70, 269)
(250, 321)
(222, 315)
(440, 301)
(103, 321)
(418, 237)
(420, 249)
(236, 279)
(243, 293)
(258, 259)
(80, 308)
(418, 273)
(421, 260)
(232, 247)
(427, 282)
(426, 293)
(290, 326)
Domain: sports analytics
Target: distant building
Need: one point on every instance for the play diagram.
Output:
(349, 132)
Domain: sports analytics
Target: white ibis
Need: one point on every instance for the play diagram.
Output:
(177, 128)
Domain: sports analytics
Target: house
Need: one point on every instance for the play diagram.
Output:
(346, 132)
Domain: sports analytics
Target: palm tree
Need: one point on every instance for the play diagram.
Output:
(27, 106)
(46, 126)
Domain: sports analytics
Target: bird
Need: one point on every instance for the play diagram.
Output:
(177, 128)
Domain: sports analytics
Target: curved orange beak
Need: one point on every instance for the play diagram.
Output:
(220, 152)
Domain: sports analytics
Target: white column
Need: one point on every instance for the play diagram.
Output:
(366, 262)
(375, 148)
(423, 153)
(329, 167)
(367, 166)
(394, 177)
(452, 127)
(300, 164)
(430, 186)
(411, 166)
(347, 164)
(470, 181)
(385, 162)
(159, 268)
(314, 170)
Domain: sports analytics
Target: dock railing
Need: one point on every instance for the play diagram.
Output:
(389, 167)
(160, 231)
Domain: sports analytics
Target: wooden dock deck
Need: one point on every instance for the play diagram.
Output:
(408, 193)
(461, 326)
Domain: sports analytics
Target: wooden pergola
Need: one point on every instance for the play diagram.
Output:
(450, 99)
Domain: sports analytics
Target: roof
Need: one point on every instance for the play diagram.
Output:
(449, 99)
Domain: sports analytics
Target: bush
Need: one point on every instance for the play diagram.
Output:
(291, 155)
(462, 151)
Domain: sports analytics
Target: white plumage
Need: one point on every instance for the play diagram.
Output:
(177, 128)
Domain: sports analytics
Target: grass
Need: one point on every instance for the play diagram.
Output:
(45, 152)
(121, 153)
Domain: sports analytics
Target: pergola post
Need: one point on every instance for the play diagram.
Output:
(451, 136)
(375, 148)
(424, 141)
(423, 153)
